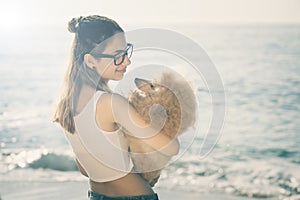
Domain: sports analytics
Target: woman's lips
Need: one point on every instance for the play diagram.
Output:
(122, 70)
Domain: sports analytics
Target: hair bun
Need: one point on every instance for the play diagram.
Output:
(74, 24)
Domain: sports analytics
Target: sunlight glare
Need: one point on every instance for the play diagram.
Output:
(11, 16)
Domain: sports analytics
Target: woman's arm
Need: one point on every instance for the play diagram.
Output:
(118, 110)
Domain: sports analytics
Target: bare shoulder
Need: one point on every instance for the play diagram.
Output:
(105, 110)
(104, 116)
(107, 99)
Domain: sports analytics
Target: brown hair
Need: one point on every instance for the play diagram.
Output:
(89, 32)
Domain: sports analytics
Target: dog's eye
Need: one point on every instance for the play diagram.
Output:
(152, 86)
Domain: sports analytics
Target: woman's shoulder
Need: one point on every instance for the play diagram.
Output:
(111, 98)
(108, 107)
(109, 102)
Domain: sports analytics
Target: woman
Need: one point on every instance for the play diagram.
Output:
(93, 117)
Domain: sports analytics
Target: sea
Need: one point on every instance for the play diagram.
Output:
(257, 153)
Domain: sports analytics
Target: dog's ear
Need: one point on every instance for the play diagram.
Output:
(167, 79)
(185, 94)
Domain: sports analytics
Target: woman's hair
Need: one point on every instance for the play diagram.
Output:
(89, 32)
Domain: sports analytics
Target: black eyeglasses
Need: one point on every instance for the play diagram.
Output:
(119, 57)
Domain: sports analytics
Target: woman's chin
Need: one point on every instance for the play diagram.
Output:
(119, 75)
(118, 78)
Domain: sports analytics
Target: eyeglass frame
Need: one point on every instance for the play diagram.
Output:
(122, 53)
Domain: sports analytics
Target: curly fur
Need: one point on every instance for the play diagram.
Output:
(179, 102)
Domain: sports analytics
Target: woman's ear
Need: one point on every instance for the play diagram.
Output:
(89, 60)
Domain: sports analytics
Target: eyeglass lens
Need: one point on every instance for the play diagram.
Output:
(120, 58)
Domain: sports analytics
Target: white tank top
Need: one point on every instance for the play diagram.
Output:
(102, 154)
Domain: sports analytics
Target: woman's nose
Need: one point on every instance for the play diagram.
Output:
(126, 61)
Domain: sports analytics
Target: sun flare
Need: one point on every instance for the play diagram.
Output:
(10, 15)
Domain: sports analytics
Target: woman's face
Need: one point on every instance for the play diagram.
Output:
(106, 66)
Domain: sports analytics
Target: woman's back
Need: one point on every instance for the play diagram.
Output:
(128, 183)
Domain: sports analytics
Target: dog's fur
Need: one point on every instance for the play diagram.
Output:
(179, 102)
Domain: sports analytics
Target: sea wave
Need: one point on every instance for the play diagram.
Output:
(257, 178)
(55, 162)
(37, 159)
(251, 178)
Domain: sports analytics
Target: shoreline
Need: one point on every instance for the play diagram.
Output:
(78, 191)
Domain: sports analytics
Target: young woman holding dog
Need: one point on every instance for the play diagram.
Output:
(93, 116)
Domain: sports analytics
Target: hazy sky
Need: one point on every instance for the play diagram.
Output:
(16, 13)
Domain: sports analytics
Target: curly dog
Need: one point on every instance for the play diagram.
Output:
(179, 102)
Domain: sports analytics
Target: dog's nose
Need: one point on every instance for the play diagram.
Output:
(139, 82)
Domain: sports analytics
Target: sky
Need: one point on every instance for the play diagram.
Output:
(16, 13)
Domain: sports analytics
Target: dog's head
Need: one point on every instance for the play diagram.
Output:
(174, 94)
(147, 89)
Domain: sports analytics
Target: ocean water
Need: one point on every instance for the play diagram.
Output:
(258, 154)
